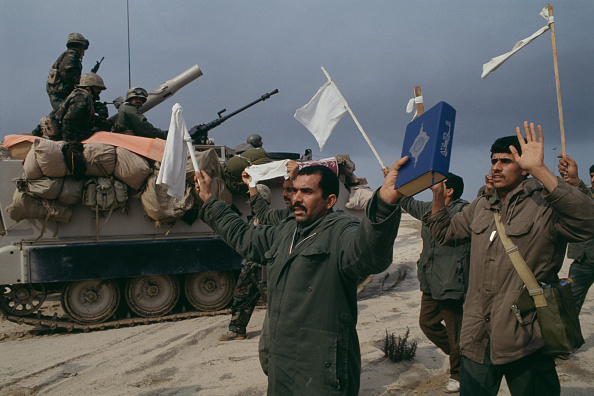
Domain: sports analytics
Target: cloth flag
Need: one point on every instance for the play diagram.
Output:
(268, 171)
(322, 113)
(172, 174)
(494, 63)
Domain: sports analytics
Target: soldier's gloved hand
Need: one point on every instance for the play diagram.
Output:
(101, 109)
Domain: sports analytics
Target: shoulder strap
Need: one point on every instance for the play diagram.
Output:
(520, 265)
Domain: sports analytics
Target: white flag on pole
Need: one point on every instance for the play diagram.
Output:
(322, 113)
(494, 63)
(172, 174)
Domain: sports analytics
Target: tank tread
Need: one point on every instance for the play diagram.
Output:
(54, 322)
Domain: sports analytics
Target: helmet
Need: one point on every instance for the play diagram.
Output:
(253, 138)
(77, 38)
(264, 191)
(91, 80)
(136, 92)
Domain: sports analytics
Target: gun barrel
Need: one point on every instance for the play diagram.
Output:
(170, 87)
(262, 98)
(200, 132)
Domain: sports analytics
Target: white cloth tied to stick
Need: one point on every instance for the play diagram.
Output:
(411, 105)
(172, 174)
(494, 63)
(268, 171)
(322, 113)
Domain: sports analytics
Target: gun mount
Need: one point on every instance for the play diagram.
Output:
(199, 133)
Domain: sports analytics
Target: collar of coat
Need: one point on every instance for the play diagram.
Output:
(521, 192)
(304, 236)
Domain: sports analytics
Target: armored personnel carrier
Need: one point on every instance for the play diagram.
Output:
(115, 268)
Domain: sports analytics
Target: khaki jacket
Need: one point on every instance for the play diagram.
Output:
(541, 224)
(310, 326)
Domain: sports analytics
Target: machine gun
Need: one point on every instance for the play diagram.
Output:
(95, 68)
(199, 133)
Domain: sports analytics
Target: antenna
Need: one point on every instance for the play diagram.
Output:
(129, 68)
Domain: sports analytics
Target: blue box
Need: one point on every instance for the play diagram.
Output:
(428, 144)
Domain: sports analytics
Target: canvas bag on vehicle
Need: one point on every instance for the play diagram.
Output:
(104, 193)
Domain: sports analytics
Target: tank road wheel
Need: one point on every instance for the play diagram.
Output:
(149, 296)
(22, 299)
(91, 301)
(209, 291)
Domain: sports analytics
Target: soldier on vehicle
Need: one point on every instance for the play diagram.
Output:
(66, 70)
(131, 121)
(77, 114)
(249, 153)
(64, 74)
(253, 141)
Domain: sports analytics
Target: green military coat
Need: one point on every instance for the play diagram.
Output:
(130, 118)
(442, 270)
(310, 331)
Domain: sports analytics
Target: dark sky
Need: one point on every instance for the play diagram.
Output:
(375, 51)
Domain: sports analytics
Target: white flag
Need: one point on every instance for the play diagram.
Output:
(322, 113)
(172, 174)
(494, 63)
(268, 171)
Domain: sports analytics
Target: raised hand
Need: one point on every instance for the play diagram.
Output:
(532, 148)
(532, 156)
(387, 191)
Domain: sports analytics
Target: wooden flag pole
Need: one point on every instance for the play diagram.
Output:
(559, 105)
(420, 106)
(354, 118)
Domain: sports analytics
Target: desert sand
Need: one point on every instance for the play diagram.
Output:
(186, 358)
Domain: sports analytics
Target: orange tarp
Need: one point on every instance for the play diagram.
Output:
(147, 147)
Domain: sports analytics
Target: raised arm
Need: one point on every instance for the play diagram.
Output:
(249, 241)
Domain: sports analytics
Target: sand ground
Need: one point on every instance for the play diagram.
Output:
(186, 358)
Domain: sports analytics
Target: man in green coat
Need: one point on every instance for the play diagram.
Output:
(314, 259)
(443, 276)
(132, 121)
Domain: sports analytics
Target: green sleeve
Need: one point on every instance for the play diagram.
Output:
(249, 241)
(369, 248)
(265, 213)
(415, 208)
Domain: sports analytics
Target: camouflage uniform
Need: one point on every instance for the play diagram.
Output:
(77, 115)
(251, 285)
(130, 120)
(69, 66)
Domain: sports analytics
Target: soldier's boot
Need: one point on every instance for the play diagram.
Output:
(231, 335)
